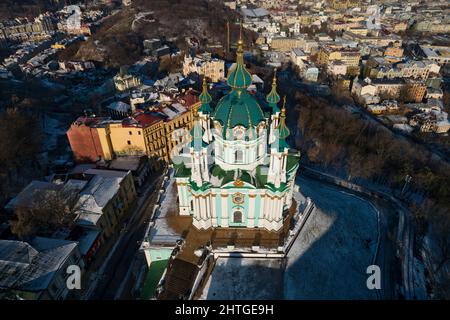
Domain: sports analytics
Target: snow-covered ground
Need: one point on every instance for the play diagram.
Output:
(245, 278)
(328, 260)
(330, 257)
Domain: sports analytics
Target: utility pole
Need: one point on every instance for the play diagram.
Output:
(228, 38)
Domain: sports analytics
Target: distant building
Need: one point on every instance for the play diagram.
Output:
(230, 4)
(439, 54)
(433, 93)
(285, 44)
(204, 64)
(124, 81)
(410, 90)
(349, 56)
(308, 71)
(393, 53)
(344, 4)
(298, 56)
(337, 68)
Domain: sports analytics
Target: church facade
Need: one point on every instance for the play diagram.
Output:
(239, 170)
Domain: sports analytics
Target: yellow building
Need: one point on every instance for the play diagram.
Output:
(182, 121)
(58, 46)
(204, 64)
(362, 31)
(350, 57)
(394, 50)
(286, 44)
(154, 133)
(344, 4)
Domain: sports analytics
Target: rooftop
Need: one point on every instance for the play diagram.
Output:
(31, 266)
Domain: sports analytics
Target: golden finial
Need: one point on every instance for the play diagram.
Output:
(205, 84)
(195, 111)
(283, 109)
(238, 182)
(240, 51)
(240, 31)
(274, 80)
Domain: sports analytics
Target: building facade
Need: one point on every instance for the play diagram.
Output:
(350, 57)
(239, 170)
(205, 65)
(151, 133)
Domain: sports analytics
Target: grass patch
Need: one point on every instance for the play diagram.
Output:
(154, 274)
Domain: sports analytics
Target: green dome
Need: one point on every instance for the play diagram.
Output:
(273, 98)
(239, 77)
(238, 108)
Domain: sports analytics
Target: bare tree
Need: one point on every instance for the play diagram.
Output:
(48, 210)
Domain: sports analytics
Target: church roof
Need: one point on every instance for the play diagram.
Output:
(239, 77)
(282, 131)
(205, 98)
(273, 98)
(238, 107)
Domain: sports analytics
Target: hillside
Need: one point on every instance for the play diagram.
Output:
(118, 40)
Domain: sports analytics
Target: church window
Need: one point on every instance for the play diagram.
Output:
(237, 216)
(129, 142)
(130, 133)
(238, 134)
(239, 156)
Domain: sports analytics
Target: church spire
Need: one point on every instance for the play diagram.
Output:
(239, 77)
(282, 131)
(197, 132)
(205, 98)
(273, 98)
(240, 47)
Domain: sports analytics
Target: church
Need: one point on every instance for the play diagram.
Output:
(239, 170)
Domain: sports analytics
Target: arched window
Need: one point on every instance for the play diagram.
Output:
(192, 205)
(239, 156)
(237, 216)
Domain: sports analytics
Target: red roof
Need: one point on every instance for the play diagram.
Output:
(142, 120)
(89, 121)
(190, 97)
